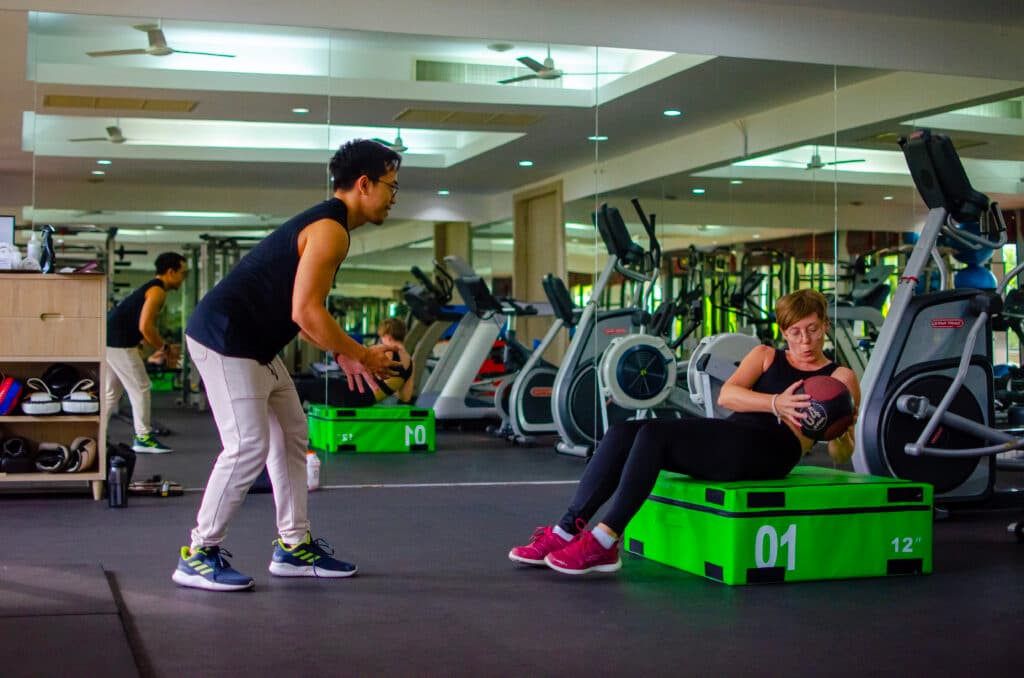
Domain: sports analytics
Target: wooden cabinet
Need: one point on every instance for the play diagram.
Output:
(45, 319)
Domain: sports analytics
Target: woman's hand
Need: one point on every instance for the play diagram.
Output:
(789, 405)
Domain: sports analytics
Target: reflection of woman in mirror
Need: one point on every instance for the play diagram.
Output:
(391, 334)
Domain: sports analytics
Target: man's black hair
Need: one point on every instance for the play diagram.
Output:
(168, 261)
(358, 157)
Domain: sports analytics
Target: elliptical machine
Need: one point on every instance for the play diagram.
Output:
(580, 411)
(927, 412)
(429, 306)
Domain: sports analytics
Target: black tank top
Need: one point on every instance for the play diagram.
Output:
(249, 313)
(123, 319)
(395, 383)
(779, 376)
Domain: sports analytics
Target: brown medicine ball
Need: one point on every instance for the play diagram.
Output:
(830, 410)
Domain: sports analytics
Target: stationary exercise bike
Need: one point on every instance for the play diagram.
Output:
(927, 412)
(526, 404)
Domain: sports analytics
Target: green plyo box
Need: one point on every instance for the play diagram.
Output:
(161, 381)
(816, 523)
(370, 429)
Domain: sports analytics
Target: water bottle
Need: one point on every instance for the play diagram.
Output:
(48, 258)
(117, 483)
(34, 248)
(312, 471)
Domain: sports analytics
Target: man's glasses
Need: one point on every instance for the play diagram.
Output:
(393, 187)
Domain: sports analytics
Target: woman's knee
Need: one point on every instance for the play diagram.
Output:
(651, 435)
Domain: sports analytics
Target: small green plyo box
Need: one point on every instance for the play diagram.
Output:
(370, 429)
(816, 523)
(161, 381)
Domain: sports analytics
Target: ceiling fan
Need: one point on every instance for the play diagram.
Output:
(545, 71)
(157, 46)
(397, 145)
(114, 136)
(816, 163)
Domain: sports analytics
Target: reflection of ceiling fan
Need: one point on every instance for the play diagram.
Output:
(545, 71)
(397, 145)
(114, 136)
(816, 162)
(157, 46)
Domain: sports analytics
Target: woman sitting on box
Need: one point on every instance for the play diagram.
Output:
(391, 333)
(761, 440)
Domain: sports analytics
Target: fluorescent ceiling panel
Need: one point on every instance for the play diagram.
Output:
(199, 140)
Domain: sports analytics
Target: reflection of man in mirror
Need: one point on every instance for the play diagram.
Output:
(277, 291)
(130, 323)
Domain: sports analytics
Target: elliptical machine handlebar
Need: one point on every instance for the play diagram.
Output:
(631, 260)
(648, 222)
(427, 283)
(978, 241)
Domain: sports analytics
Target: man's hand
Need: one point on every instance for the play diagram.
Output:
(379, 361)
(356, 373)
(167, 357)
(172, 356)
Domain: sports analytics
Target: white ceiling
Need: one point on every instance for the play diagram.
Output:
(245, 160)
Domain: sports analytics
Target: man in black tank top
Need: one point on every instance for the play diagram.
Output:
(130, 323)
(760, 440)
(277, 291)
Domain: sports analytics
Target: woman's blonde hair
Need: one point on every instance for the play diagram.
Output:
(796, 306)
(394, 327)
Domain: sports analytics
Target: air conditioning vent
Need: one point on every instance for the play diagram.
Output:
(119, 103)
(425, 116)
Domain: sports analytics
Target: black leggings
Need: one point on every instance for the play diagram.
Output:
(631, 455)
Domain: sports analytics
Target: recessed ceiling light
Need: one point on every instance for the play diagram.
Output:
(698, 191)
(300, 111)
(597, 137)
(888, 197)
(757, 236)
(98, 173)
(736, 182)
(672, 113)
(444, 191)
(103, 162)
(158, 227)
(526, 163)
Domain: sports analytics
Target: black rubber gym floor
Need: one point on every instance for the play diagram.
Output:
(86, 590)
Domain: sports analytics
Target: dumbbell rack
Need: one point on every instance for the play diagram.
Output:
(45, 319)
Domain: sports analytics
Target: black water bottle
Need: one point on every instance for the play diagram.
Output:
(48, 259)
(117, 483)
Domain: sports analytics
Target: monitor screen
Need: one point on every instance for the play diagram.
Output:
(7, 229)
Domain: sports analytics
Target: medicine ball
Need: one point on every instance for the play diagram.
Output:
(830, 410)
(61, 378)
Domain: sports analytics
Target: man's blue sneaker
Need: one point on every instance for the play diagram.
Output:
(311, 558)
(208, 569)
(148, 444)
